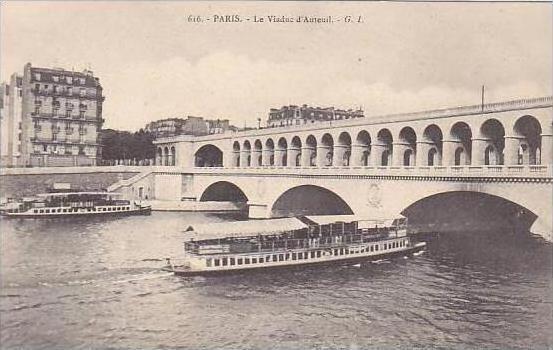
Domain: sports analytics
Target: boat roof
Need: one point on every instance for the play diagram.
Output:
(239, 229)
(379, 219)
(65, 194)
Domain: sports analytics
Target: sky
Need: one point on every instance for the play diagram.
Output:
(154, 63)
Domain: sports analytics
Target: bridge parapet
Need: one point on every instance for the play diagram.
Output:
(492, 171)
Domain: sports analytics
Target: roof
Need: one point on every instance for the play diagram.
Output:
(377, 219)
(65, 194)
(239, 229)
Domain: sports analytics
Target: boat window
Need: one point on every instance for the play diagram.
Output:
(335, 251)
(362, 250)
(225, 261)
(246, 260)
(35, 211)
(385, 246)
(128, 208)
(275, 258)
(281, 257)
(261, 260)
(300, 256)
(318, 253)
(312, 255)
(208, 262)
(47, 210)
(254, 260)
(287, 256)
(341, 251)
(232, 261)
(239, 261)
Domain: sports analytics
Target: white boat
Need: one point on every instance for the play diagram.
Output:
(290, 242)
(71, 204)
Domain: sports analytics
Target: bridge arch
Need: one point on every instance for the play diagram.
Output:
(246, 154)
(281, 152)
(257, 153)
(383, 148)
(468, 210)
(407, 146)
(236, 154)
(492, 142)
(309, 200)
(295, 152)
(526, 138)
(362, 148)
(431, 148)
(223, 191)
(458, 149)
(269, 152)
(309, 152)
(325, 151)
(208, 156)
(342, 151)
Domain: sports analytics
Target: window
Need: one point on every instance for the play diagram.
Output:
(68, 113)
(318, 253)
(208, 262)
(372, 248)
(239, 261)
(217, 263)
(335, 252)
(275, 258)
(312, 255)
(341, 251)
(37, 76)
(232, 261)
(254, 260)
(37, 87)
(41, 211)
(261, 260)
(287, 256)
(47, 211)
(376, 247)
(246, 260)
(35, 211)
(81, 81)
(225, 261)
(281, 257)
(293, 256)
(65, 210)
(69, 80)
(56, 79)
(385, 246)
(300, 256)
(81, 114)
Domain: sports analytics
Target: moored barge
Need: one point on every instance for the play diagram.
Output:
(228, 247)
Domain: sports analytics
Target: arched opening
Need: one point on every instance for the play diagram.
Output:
(166, 156)
(460, 156)
(432, 157)
(408, 141)
(528, 131)
(494, 137)
(281, 155)
(309, 200)
(246, 154)
(208, 156)
(461, 138)
(269, 153)
(223, 191)
(464, 211)
(311, 150)
(363, 146)
(294, 152)
(173, 156)
(236, 154)
(342, 151)
(326, 152)
(384, 147)
(407, 157)
(433, 142)
(257, 153)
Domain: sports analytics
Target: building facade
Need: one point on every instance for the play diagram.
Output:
(196, 126)
(57, 117)
(299, 115)
(10, 120)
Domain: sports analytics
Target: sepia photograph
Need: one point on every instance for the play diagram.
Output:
(276, 175)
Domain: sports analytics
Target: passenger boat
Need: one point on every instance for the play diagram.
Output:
(71, 204)
(287, 242)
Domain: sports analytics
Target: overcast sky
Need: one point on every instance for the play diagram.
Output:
(404, 57)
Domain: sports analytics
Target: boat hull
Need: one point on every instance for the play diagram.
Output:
(139, 211)
(180, 271)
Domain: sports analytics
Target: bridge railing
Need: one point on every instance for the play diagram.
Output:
(468, 171)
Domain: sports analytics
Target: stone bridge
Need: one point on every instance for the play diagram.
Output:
(462, 162)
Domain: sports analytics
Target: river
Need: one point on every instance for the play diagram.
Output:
(96, 283)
